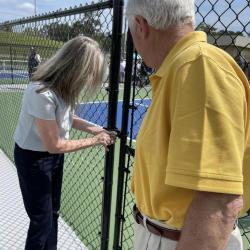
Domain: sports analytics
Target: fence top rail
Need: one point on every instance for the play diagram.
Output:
(60, 13)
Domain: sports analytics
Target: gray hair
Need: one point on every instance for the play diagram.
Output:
(77, 66)
(162, 14)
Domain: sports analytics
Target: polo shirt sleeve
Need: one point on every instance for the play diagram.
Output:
(41, 105)
(207, 138)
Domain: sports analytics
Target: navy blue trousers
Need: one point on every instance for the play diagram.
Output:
(40, 177)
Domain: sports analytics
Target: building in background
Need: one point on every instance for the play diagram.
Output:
(237, 46)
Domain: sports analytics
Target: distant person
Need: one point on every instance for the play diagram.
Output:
(241, 61)
(137, 73)
(42, 133)
(33, 61)
(122, 70)
(145, 73)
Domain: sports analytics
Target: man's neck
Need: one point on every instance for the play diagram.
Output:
(164, 41)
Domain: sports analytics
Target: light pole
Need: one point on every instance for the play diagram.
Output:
(35, 7)
(35, 12)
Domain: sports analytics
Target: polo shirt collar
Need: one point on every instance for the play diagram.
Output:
(185, 42)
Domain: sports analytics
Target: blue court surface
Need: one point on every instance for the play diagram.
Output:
(97, 113)
(15, 75)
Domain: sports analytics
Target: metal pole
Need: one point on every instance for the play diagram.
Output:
(35, 14)
(34, 7)
(124, 137)
(125, 37)
(112, 114)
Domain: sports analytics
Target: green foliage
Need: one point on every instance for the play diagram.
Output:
(206, 28)
(48, 37)
(89, 25)
(6, 27)
(209, 29)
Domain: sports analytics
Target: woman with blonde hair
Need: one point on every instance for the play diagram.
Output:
(42, 133)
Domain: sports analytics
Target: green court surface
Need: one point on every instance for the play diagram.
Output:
(83, 178)
(4, 81)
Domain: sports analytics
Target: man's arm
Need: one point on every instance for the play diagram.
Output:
(209, 221)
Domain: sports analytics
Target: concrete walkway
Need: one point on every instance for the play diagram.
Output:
(13, 219)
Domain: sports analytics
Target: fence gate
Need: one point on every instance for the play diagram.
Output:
(88, 174)
(227, 25)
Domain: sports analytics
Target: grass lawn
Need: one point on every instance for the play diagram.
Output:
(13, 81)
(82, 193)
(17, 45)
(10, 104)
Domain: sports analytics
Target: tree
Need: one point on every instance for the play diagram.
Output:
(104, 39)
(230, 32)
(206, 28)
(88, 25)
(56, 31)
(6, 27)
(31, 31)
(213, 31)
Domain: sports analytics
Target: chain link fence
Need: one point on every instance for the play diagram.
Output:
(88, 174)
(227, 25)
(83, 194)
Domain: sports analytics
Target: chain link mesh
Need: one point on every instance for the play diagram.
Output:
(81, 204)
(227, 24)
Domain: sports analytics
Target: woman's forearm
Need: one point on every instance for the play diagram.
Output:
(49, 134)
(86, 126)
(67, 146)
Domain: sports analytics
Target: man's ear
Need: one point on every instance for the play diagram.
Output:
(142, 27)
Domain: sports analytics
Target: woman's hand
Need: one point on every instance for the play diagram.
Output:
(112, 134)
(105, 139)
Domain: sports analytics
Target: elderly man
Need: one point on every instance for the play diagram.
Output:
(191, 172)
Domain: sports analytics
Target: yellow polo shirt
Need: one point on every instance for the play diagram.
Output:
(195, 132)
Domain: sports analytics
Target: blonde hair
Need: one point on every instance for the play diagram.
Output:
(77, 66)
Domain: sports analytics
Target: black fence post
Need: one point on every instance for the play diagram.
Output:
(124, 137)
(112, 114)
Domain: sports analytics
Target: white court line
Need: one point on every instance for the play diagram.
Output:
(18, 74)
(143, 105)
(17, 88)
(96, 102)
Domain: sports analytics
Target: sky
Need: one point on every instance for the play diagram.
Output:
(15, 9)
(233, 14)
